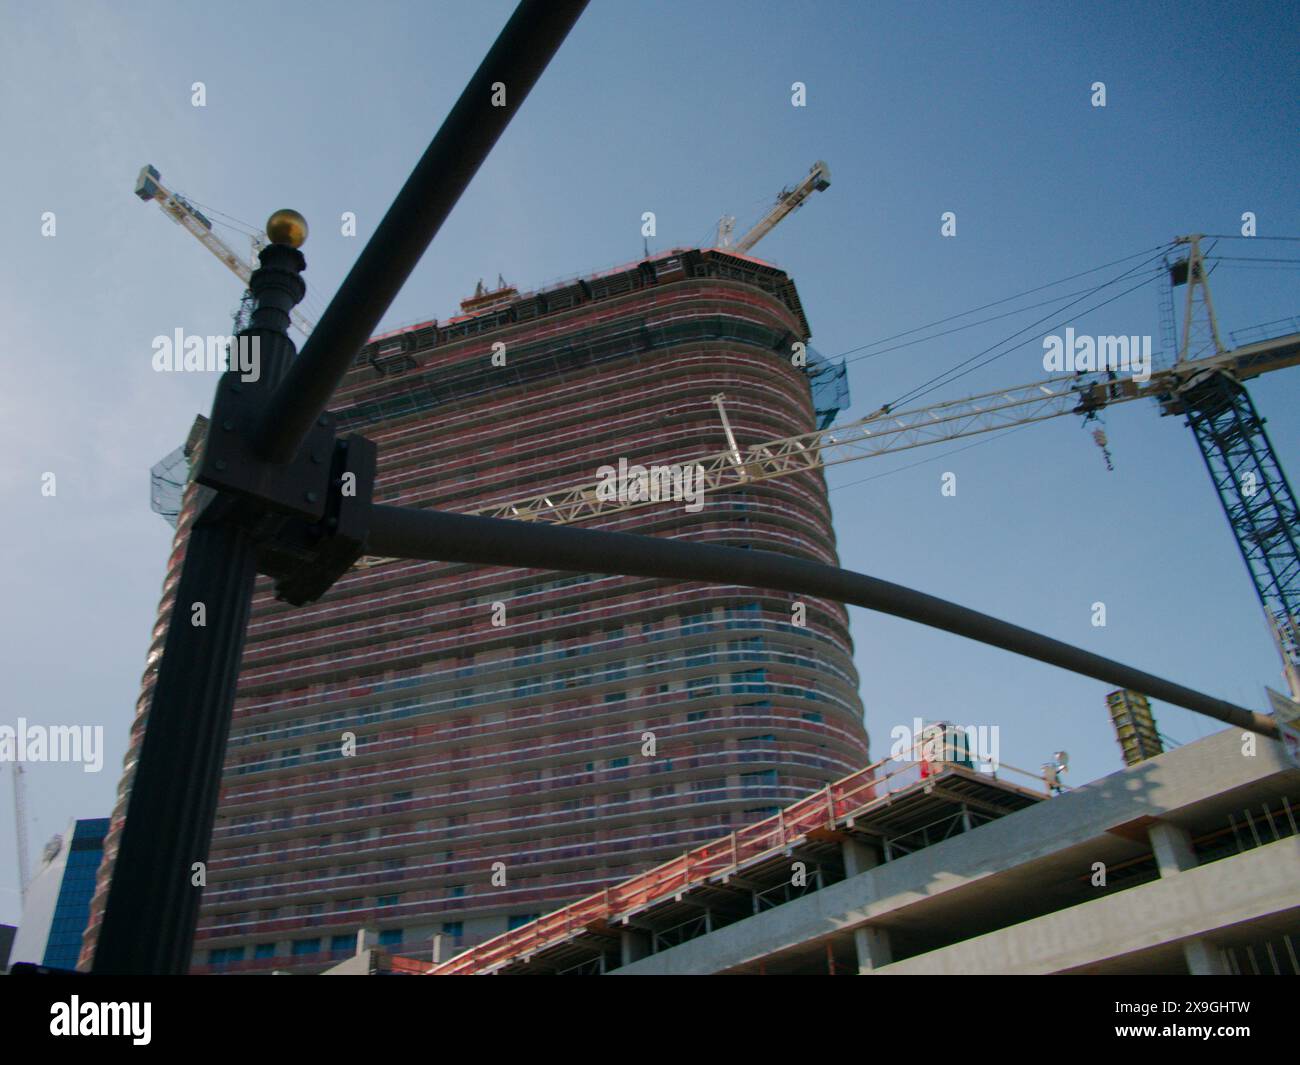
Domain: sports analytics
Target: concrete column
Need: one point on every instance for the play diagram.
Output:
(872, 945)
(1175, 854)
(633, 946)
(1204, 958)
(858, 857)
(1173, 848)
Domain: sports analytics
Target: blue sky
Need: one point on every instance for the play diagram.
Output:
(682, 109)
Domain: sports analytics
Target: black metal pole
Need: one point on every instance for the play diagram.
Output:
(153, 895)
(153, 904)
(153, 899)
(497, 90)
(431, 534)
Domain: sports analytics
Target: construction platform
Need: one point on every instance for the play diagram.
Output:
(883, 812)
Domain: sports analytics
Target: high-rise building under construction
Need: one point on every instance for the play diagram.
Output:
(449, 750)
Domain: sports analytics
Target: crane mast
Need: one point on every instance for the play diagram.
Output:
(149, 187)
(1247, 475)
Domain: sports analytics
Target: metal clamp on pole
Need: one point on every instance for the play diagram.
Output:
(306, 558)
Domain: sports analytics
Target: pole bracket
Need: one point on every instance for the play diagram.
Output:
(297, 488)
(306, 558)
(309, 517)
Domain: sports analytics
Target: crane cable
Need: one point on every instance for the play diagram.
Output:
(970, 325)
(948, 376)
(1007, 299)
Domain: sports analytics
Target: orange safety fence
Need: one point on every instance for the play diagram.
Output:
(852, 795)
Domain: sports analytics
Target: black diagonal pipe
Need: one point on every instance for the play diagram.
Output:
(430, 534)
(526, 44)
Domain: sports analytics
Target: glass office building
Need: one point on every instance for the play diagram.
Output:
(57, 907)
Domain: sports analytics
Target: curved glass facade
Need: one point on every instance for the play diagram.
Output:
(436, 749)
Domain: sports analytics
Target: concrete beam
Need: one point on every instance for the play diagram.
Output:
(1193, 774)
(1188, 907)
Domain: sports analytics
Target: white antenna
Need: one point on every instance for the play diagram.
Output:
(20, 826)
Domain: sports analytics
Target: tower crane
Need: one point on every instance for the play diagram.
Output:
(789, 199)
(1205, 385)
(149, 187)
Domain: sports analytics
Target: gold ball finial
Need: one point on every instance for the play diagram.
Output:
(287, 227)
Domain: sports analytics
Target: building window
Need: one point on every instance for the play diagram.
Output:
(752, 681)
(390, 937)
(453, 929)
(343, 942)
(387, 900)
(701, 787)
(264, 950)
(306, 946)
(518, 920)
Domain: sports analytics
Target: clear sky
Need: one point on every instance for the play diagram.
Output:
(684, 109)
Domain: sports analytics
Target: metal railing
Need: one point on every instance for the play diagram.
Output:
(870, 787)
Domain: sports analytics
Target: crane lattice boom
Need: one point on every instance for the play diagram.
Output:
(148, 186)
(819, 178)
(886, 431)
